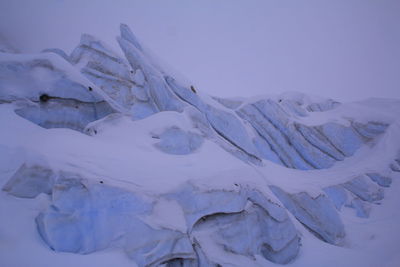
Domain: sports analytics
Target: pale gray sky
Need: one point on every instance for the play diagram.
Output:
(345, 49)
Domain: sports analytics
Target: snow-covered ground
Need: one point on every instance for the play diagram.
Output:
(163, 174)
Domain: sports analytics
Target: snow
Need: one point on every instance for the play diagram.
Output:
(152, 173)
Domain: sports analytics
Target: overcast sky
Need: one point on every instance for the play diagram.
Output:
(344, 49)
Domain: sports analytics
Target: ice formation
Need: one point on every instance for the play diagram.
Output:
(174, 177)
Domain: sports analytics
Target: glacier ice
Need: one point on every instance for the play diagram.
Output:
(155, 85)
(49, 95)
(177, 141)
(381, 180)
(85, 216)
(323, 106)
(344, 139)
(132, 83)
(369, 130)
(337, 194)
(227, 212)
(359, 193)
(362, 208)
(30, 181)
(251, 232)
(395, 167)
(224, 123)
(365, 189)
(316, 214)
(96, 89)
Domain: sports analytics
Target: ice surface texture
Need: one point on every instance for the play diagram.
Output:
(250, 130)
(317, 214)
(85, 217)
(95, 88)
(359, 193)
(177, 141)
(48, 93)
(30, 181)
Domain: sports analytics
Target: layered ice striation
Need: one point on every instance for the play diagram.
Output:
(30, 181)
(299, 146)
(88, 215)
(95, 87)
(132, 83)
(317, 214)
(49, 92)
(360, 193)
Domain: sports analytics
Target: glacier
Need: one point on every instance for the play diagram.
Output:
(118, 154)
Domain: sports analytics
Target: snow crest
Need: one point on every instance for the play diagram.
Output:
(174, 177)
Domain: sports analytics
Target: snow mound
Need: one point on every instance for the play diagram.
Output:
(144, 164)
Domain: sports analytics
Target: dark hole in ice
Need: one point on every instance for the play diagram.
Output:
(44, 98)
(176, 262)
(90, 88)
(101, 182)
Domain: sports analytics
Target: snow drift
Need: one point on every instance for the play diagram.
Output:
(131, 158)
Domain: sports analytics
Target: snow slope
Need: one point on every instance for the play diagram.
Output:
(107, 159)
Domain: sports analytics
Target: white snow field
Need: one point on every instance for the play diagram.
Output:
(107, 158)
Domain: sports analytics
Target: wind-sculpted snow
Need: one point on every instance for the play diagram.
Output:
(59, 52)
(173, 177)
(250, 130)
(228, 102)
